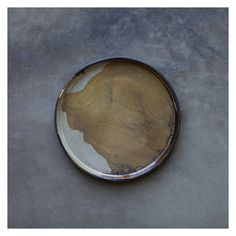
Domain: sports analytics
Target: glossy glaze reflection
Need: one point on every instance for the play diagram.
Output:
(126, 114)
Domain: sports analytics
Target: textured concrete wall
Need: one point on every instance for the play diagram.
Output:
(47, 46)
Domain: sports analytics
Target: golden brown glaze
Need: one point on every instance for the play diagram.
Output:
(125, 113)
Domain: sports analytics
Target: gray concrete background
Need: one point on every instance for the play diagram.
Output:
(47, 46)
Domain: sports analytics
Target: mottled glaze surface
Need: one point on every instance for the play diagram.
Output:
(116, 117)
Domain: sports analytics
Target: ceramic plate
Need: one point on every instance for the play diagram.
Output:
(117, 119)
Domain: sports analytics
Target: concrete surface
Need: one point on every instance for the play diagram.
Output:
(47, 46)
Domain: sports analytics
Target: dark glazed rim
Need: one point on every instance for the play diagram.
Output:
(163, 155)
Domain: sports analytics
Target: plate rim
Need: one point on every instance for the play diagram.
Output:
(153, 164)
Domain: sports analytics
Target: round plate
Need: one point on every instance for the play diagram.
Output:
(117, 119)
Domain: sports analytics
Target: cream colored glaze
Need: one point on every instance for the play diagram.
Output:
(125, 113)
